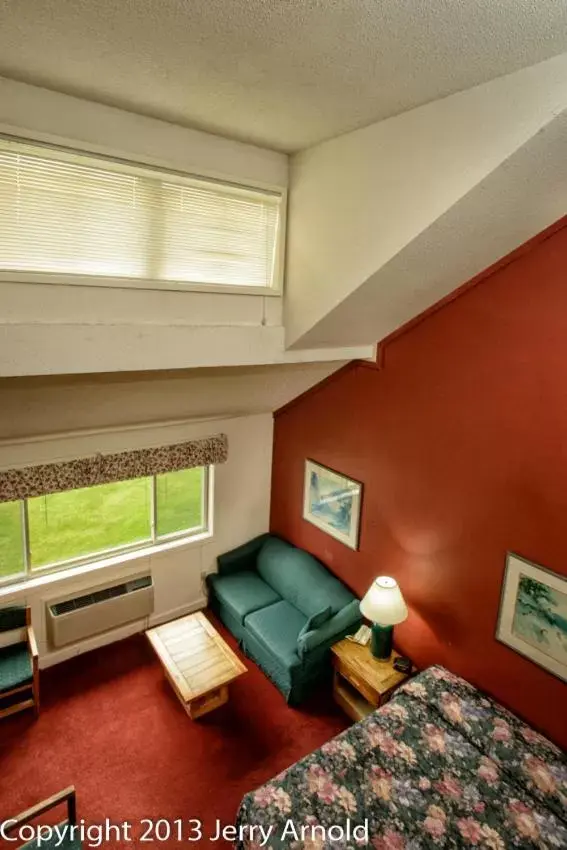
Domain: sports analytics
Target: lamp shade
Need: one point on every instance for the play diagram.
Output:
(384, 603)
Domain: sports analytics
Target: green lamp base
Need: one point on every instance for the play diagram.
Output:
(381, 643)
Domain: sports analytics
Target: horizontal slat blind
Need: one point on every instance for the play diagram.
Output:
(73, 214)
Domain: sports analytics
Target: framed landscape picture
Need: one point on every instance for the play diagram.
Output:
(332, 502)
(533, 614)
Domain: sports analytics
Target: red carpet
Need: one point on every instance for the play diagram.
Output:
(111, 725)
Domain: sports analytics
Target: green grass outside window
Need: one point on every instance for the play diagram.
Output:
(78, 523)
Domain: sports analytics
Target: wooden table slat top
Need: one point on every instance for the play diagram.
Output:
(194, 655)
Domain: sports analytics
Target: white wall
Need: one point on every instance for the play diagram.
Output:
(516, 201)
(48, 329)
(358, 200)
(241, 511)
(58, 348)
(32, 111)
(92, 306)
(33, 407)
(58, 316)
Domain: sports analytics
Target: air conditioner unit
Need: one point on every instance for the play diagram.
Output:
(77, 616)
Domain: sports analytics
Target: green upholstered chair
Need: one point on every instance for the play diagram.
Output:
(19, 662)
(63, 839)
(286, 609)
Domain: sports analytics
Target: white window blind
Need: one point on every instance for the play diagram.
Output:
(64, 213)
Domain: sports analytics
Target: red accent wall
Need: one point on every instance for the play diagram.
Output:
(460, 439)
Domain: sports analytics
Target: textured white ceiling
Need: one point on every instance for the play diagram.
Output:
(282, 73)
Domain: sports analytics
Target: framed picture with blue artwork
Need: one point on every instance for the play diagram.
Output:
(332, 502)
(533, 614)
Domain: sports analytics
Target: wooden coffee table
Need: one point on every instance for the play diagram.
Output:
(197, 662)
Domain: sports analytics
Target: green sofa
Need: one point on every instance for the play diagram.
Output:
(285, 608)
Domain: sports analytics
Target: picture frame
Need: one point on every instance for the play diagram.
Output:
(532, 618)
(332, 502)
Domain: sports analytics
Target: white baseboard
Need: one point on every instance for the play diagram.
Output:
(49, 659)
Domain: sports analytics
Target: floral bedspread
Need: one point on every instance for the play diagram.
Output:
(439, 766)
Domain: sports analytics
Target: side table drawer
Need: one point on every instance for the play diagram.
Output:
(362, 687)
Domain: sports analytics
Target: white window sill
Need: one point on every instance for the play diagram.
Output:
(56, 279)
(55, 577)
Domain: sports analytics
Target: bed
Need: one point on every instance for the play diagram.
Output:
(441, 765)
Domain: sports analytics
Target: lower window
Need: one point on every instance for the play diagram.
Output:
(63, 529)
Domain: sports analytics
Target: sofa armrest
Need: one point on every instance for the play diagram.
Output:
(343, 623)
(243, 557)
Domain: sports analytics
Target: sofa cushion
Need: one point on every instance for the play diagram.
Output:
(243, 592)
(243, 557)
(316, 620)
(15, 667)
(298, 577)
(277, 628)
(345, 622)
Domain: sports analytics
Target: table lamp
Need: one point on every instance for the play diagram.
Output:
(384, 606)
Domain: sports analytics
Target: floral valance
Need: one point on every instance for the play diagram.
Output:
(103, 469)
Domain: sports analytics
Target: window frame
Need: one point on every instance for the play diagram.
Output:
(152, 543)
(138, 165)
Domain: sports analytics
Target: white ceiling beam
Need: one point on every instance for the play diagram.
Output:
(379, 225)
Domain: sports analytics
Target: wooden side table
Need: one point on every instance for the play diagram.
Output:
(362, 683)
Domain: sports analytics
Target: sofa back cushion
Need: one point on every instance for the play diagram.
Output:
(316, 620)
(298, 577)
(344, 623)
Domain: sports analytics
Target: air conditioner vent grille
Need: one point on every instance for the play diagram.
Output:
(88, 599)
